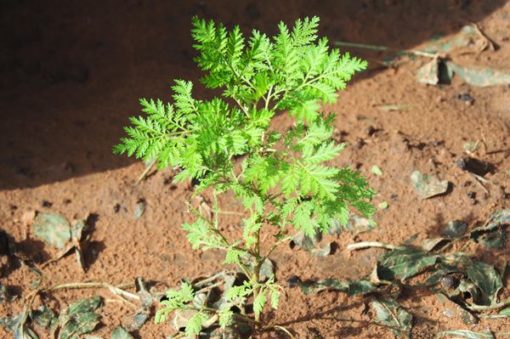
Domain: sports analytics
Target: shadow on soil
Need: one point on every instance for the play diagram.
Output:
(71, 73)
(350, 327)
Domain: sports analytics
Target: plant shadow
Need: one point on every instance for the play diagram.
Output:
(336, 314)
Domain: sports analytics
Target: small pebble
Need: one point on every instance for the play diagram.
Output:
(449, 282)
(466, 97)
(140, 206)
(371, 130)
(359, 143)
(28, 217)
(293, 281)
(46, 204)
(116, 208)
(454, 229)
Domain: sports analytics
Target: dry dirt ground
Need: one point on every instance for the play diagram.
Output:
(71, 74)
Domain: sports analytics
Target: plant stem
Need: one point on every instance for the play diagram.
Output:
(256, 273)
(216, 210)
(255, 294)
(268, 98)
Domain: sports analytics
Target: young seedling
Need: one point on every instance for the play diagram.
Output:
(226, 144)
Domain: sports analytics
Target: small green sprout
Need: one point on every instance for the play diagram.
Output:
(284, 181)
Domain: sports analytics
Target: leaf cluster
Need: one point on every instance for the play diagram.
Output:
(201, 308)
(260, 76)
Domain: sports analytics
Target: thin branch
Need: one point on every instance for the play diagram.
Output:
(492, 316)
(275, 245)
(116, 290)
(268, 98)
(209, 279)
(111, 288)
(148, 168)
(385, 49)
(245, 111)
(370, 244)
(216, 209)
(489, 307)
(283, 329)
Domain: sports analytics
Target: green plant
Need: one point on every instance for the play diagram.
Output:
(226, 144)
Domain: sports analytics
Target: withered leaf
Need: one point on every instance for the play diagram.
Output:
(391, 314)
(428, 186)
